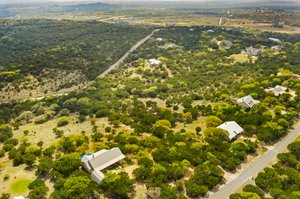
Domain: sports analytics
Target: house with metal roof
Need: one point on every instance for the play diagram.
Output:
(154, 62)
(227, 43)
(19, 197)
(277, 90)
(232, 128)
(275, 40)
(253, 51)
(247, 101)
(100, 160)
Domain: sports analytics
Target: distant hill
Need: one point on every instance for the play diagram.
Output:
(91, 6)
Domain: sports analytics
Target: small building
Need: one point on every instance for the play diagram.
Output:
(159, 39)
(276, 47)
(253, 51)
(19, 197)
(275, 40)
(247, 101)
(277, 90)
(226, 43)
(100, 160)
(232, 128)
(154, 62)
(210, 31)
(170, 24)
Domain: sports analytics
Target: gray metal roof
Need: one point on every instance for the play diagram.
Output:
(106, 159)
(232, 128)
(248, 100)
(97, 176)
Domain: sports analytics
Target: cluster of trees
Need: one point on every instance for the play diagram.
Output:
(89, 47)
(275, 15)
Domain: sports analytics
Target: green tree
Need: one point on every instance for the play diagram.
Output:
(254, 189)
(58, 133)
(29, 159)
(44, 167)
(245, 195)
(213, 121)
(295, 149)
(5, 196)
(67, 164)
(38, 193)
(117, 186)
(5, 132)
(76, 187)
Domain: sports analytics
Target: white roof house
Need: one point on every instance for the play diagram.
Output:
(154, 62)
(277, 90)
(232, 128)
(275, 47)
(19, 197)
(247, 101)
(101, 160)
(159, 39)
(275, 39)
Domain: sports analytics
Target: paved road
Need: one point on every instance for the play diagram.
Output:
(257, 165)
(121, 60)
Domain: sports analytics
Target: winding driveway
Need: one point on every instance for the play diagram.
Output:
(255, 166)
(121, 60)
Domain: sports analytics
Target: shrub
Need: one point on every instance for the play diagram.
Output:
(63, 121)
(40, 119)
(2, 153)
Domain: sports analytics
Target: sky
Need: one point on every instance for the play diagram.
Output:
(107, 1)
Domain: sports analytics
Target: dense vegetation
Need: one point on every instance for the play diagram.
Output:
(29, 46)
(198, 80)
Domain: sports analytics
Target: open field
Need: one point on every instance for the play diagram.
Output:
(19, 186)
(44, 132)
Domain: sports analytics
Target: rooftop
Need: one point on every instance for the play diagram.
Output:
(101, 160)
(247, 101)
(277, 90)
(232, 128)
(154, 62)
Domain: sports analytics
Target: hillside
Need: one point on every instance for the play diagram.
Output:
(91, 7)
(35, 53)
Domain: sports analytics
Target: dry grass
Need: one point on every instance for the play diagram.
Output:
(249, 24)
(140, 191)
(44, 132)
(241, 58)
(160, 103)
(200, 122)
(31, 87)
(19, 178)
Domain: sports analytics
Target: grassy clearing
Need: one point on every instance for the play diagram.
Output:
(20, 185)
(240, 58)
(44, 132)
